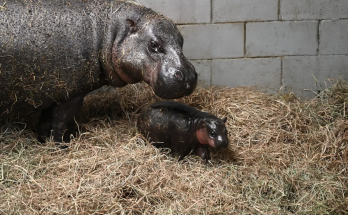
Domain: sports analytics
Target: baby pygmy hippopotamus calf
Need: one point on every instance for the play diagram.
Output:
(180, 127)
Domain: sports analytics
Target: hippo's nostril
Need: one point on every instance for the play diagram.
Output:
(179, 75)
(223, 144)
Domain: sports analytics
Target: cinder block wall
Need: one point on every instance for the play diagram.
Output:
(288, 45)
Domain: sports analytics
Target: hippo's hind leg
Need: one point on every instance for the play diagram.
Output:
(58, 118)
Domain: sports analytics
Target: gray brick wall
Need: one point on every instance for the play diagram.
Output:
(288, 45)
(213, 41)
(246, 10)
(281, 38)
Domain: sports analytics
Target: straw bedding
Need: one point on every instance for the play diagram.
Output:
(286, 156)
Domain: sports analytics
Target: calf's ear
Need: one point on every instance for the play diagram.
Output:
(201, 124)
(224, 119)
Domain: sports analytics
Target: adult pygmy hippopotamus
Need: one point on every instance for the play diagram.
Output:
(54, 52)
(181, 127)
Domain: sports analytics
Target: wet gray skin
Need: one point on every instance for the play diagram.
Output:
(182, 128)
(55, 52)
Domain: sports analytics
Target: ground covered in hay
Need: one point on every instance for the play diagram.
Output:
(286, 156)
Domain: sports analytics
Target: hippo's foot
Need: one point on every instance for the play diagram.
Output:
(45, 125)
(203, 152)
(55, 120)
(61, 146)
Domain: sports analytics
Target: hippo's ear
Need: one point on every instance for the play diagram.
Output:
(224, 119)
(132, 26)
(202, 124)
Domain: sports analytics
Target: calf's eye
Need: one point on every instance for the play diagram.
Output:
(213, 134)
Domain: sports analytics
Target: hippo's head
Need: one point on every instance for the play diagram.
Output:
(213, 132)
(149, 49)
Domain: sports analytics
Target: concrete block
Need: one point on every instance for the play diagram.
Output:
(307, 75)
(265, 73)
(333, 37)
(244, 10)
(181, 11)
(313, 9)
(205, 42)
(281, 38)
(203, 68)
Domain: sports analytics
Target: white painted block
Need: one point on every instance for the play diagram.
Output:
(181, 11)
(313, 9)
(333, 37)
(203, 68)
(244, 10)
(281, 38)
(265, 73)
(205, 42)
(306, 75)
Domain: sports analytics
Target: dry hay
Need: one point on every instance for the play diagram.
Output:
(286, 156)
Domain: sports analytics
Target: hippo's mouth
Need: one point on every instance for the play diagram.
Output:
(150, 77)
(169, 84)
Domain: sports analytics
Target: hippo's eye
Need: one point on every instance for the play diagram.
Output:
(155, 47)
(213, 134)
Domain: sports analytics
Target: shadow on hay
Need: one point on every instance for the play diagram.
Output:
(101, 105)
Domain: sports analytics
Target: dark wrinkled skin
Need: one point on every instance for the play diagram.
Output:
(54, 52)
(180, 127)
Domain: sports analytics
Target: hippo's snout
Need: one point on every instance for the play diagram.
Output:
(221, 141)
(174, 82)
(222, 144)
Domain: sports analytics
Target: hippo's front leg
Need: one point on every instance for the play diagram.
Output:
(203, 152)
(57, 118)
(184, 152)
(45, 124)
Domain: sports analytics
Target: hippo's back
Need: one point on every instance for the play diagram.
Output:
(162, 118)
(49, 51)
(161, 123)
